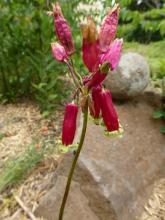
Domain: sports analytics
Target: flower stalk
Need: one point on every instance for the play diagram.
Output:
(75, 80)
(85, 119)
(75, 72)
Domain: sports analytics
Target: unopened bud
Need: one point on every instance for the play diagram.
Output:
(59, 52)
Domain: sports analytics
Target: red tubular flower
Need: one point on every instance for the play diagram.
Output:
(69, 124)
(109, 28)
(59, 52)
(62, 29)
(112, 55)
(108, 111)
(95, 111)
(96, 79)
(90, 46)
(90, 55)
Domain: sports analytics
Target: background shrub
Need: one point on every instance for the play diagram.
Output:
(26, 64)
(143, 22)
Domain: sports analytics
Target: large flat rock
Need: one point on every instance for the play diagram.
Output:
(126, 168)
(115, 176)
(77, 205)
(85, 200)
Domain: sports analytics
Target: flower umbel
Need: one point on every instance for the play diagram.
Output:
(101, 54)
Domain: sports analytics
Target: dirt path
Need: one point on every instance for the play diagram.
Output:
(20, 125)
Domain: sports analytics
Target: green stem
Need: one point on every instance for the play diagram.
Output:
(75, 72)
(74, 162)
(76, 82)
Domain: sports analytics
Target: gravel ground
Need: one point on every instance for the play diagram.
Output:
(20, 125)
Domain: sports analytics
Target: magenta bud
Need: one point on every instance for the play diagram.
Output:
(113, 53)
(69, 124)
(59, 52)
(95, 112)
(90, 55)
(90, 47)
(108, 111)
(62, 29)
(109, 28)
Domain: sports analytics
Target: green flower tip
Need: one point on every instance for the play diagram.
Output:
(65, 149)
(118, 133)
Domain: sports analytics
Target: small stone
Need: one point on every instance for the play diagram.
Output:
(130, 78)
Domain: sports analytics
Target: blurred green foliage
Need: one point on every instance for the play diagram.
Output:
(160, 113)
(17, 168)
(137, 24)
(26, 64)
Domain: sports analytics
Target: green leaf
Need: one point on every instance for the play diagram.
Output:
(162, 130)
(162, 27)
(1, 136)
(158, 114)
(45, 114)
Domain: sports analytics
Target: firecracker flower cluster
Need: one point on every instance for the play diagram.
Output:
(101, 54)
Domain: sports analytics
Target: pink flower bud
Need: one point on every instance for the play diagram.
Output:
(62, 29)
(108, 111)
(109, 28)
(59, 52)
(95, 112)
(112, 55)
(69, 124)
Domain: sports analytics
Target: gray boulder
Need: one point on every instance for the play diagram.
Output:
(130, 78)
